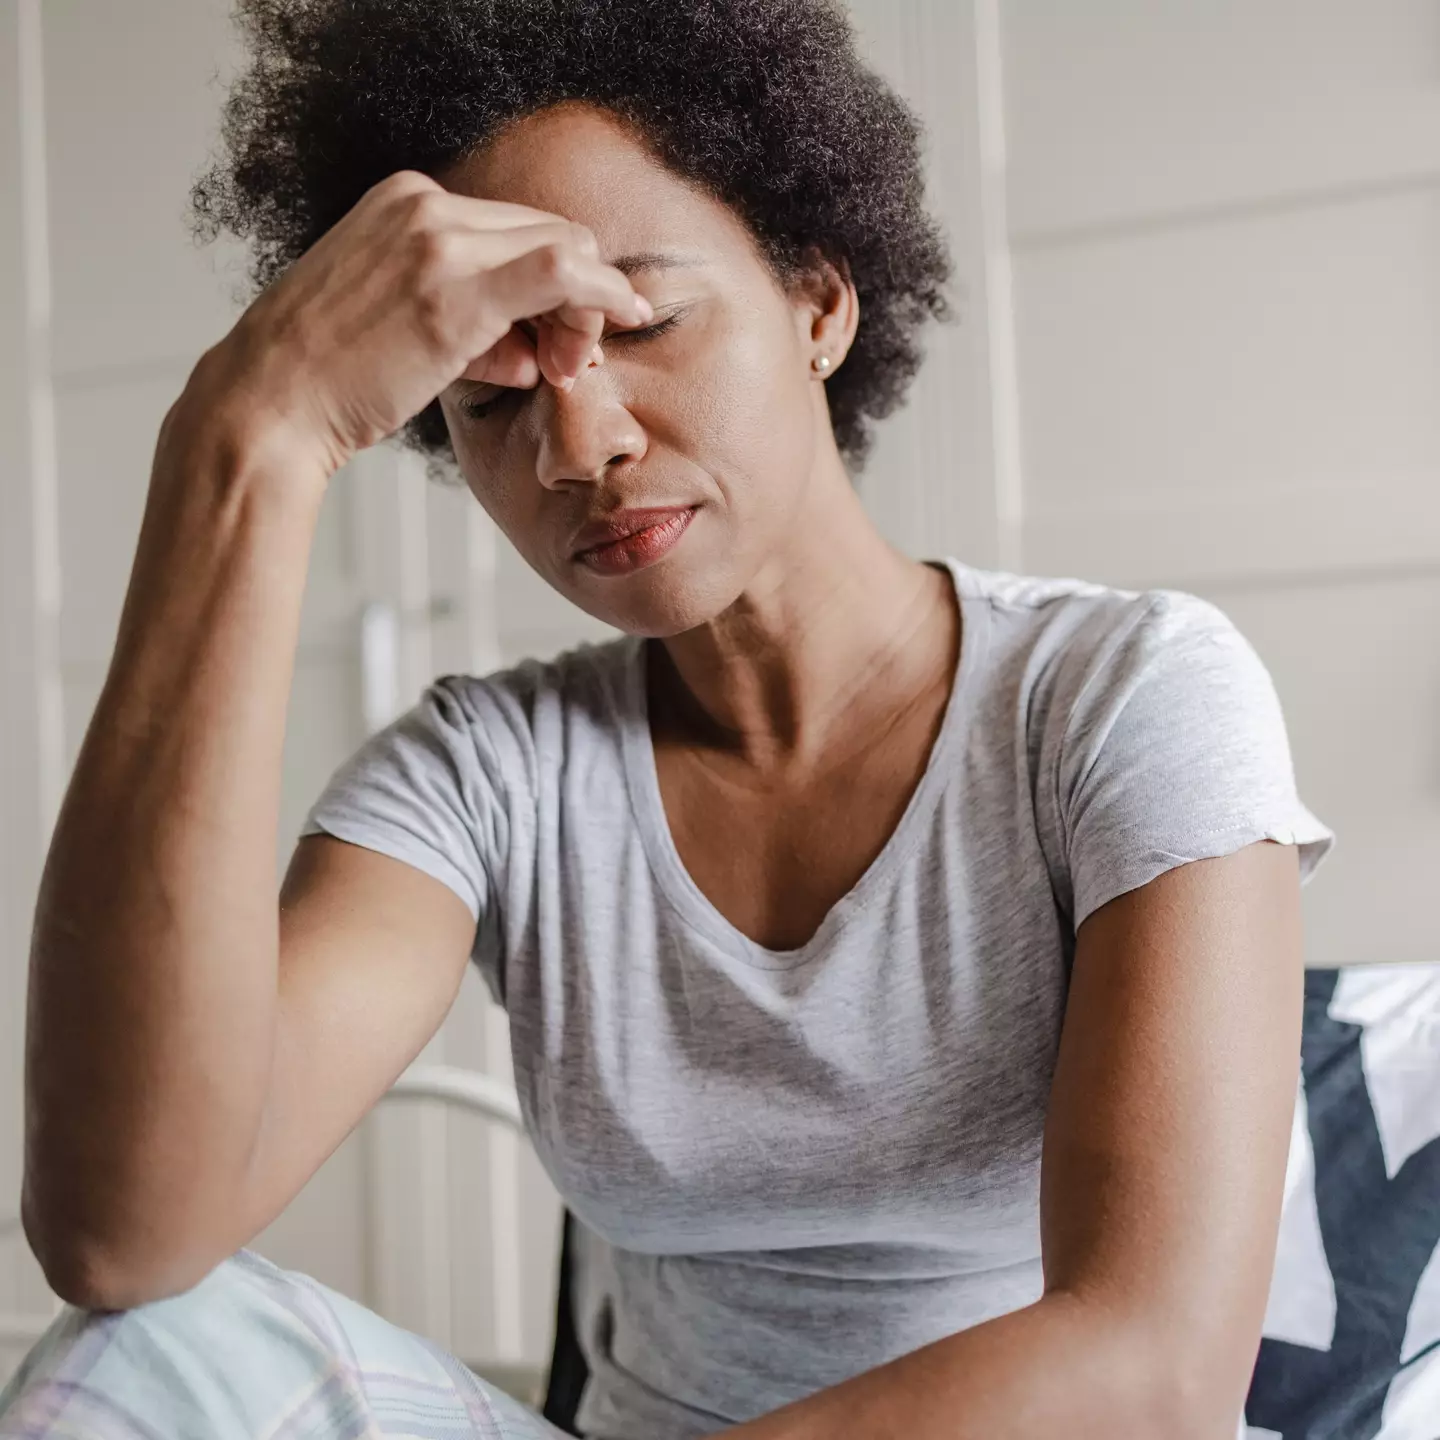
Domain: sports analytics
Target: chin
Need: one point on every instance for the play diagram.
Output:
(685, 589)
(658, 602)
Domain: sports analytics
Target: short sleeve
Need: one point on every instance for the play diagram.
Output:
(1174, 750)
(427, 790)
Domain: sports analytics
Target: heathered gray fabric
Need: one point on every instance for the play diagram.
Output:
(794, 1166)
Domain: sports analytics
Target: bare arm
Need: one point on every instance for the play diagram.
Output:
(1163, 1169)
(193, 1052)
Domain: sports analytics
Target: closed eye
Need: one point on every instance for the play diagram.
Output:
(650, 332)
(486, 402)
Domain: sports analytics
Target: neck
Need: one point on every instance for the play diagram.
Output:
(838, 628)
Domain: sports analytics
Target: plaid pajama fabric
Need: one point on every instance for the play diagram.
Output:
(252, 1351)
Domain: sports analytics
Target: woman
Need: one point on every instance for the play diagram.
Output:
(903, 961)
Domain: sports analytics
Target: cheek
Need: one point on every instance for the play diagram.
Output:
(742, 409)
(491, 472)
(502, 491)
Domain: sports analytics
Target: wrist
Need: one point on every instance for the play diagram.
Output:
(226, 428)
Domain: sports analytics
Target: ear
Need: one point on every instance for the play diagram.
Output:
(828, 308)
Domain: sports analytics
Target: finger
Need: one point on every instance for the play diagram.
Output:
(565, 246)
(404, 188)
(574, 330)
(569, 337)
(500, 232)
(552, 278)
(499, 244)
(510, 361)
(498, 214)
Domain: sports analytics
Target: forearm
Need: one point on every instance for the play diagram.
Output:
(1059, 1367)
(153, 973)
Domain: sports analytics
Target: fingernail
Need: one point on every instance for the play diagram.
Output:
(597, 355)
(644, 307)
(567, 382)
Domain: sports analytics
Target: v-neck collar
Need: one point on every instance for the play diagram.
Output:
(648, 806)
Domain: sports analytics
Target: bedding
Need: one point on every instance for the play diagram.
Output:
(1351, 1347)
(1352, 1330)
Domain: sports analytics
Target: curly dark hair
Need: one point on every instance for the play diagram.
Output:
(764, 103)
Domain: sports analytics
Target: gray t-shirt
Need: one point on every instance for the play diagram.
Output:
(794, 1166)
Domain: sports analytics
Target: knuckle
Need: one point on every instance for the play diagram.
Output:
(490, 318)
(400, 185)
(436, 250)
(404, 182)
(433, 319)
(555, 264)
(583, 238)
(490, 325)
(424, 207)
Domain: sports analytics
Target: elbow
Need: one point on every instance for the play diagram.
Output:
(1152, 1375)
(84, 1277)
(1212, 1406)
(107, 1272)
(1187, 1399)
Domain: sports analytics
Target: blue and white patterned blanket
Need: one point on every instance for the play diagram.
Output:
(1352, 1332)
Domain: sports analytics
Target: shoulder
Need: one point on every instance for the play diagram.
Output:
(1085, 618)
(586, 684)
(449, 784)
(479, 736)
(1153, 731)
(1073, 644)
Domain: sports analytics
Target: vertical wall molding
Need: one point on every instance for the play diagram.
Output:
(482, 633)
(31, 742)
(993, 201)
(945, 475)
(407, 1206)
(506, 1256)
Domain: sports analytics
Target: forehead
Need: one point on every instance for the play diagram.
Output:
(582, 163)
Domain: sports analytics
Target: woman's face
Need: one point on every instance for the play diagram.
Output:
(711, 416)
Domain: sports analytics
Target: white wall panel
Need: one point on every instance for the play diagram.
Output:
(322, 1231)
(30, 691)
(533, 619)
(472, 1198)
(1329, 535)
(107, 428)
(931, 483)
(323, 729)
(1225, 221)
(1121, 111)
(19, 713)
(1358, 670)
(106, 443)
(537, 1262)
(1280, 355)
(132, 110)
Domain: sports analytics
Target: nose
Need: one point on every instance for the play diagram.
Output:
(585, 431)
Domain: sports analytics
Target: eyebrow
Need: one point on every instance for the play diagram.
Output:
(654, 260)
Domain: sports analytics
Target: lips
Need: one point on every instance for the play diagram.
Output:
(628, 540)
